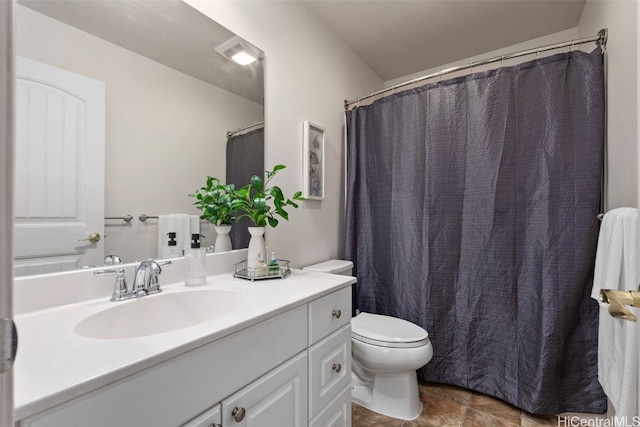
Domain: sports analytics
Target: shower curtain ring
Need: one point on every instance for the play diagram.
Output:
(537, 52)
(502, 61)
(571, 47)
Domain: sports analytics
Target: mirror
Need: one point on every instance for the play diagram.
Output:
(169, 101)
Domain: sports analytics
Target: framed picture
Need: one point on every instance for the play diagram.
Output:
(313, 161)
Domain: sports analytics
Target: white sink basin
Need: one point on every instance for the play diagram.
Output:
(157, 314)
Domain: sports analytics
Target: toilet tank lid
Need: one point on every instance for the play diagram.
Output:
(331, 266)
(386, 328)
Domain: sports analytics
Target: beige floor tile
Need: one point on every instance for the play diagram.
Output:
(529, 420)
(437, 411)
(450, 406)
(444, 391)
(474, 418)
(362, 417)
(495, 407)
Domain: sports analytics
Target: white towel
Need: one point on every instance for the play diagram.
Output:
(183, 225)
(617, 268)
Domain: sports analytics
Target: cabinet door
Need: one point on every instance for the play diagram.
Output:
(279, 398)
(329, 369)
(337, 413)
(210, 418)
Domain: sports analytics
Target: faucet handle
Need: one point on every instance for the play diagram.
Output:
(154, 283)
(112, 259)
(120, 289)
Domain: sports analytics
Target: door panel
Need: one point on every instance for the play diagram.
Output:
(59, 184)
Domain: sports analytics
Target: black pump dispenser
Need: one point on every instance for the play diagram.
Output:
(195, 241)
(172, 239)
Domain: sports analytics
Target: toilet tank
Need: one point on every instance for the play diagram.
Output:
(333, 266)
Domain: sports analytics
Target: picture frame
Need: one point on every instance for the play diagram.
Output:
(313, 161)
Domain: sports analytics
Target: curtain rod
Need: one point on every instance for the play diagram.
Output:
(600, 39)
(256, 124)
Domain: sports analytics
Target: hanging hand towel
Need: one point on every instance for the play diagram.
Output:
(616, 268)
(183, 225)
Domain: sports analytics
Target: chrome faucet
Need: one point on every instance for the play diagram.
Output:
(112, 259)
(145, 281)
(146, 278)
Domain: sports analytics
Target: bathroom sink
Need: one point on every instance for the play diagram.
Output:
(157, 314)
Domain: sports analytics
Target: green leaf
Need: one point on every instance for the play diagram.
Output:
(259, 203)
(282, 213)
(273, 222)
(256, 183)
(276, 192)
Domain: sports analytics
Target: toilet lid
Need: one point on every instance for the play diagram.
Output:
(387, 331)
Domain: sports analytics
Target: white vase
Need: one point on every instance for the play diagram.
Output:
(223, 241)
(256, 246)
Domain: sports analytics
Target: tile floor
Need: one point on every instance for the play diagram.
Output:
(445, 405)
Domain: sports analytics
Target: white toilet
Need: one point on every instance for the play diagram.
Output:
(386, 353)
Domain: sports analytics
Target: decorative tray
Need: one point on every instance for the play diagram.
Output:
(279, 271)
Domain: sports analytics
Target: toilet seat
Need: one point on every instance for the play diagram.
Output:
(387, 331)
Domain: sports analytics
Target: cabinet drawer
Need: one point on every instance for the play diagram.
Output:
(329, 369)
(337, 414)
(328, 314)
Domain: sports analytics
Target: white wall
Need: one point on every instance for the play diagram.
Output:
(165, 131)
(620, 17)
(558, 37)
(309, 72)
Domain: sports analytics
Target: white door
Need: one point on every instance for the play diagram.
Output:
(59, 180)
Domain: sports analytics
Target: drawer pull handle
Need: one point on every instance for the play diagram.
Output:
(215, 425)
(337, 367)
(337, 314)
(238, 414)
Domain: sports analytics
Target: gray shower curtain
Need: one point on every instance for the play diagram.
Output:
(245, 158)
(472, 211)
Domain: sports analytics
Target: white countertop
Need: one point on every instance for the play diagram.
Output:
(55, 364)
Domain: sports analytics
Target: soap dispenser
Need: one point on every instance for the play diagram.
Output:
(196, 263)
(172, 250)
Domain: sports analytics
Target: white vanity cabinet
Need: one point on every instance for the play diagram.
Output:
(330, 360)
(290, 370)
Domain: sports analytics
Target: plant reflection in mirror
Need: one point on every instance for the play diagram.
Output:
(221, 203)
(215, 202)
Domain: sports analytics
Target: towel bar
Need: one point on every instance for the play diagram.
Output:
(125, 217)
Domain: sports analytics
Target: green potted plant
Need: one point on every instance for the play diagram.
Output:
(262, 204)
(215, 201)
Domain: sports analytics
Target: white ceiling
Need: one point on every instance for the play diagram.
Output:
(169, 32)
(396, 38)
